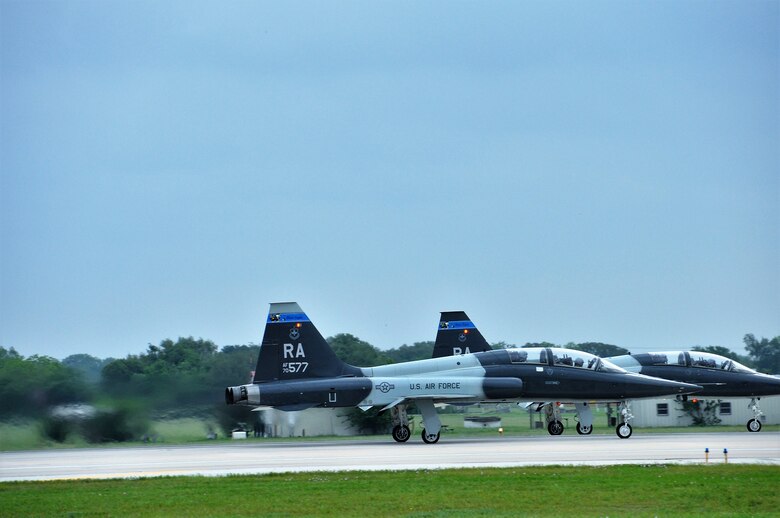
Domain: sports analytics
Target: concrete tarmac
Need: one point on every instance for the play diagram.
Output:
(266, 456)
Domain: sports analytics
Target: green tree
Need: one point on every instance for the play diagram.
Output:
(8, 353)
(601, 350)
(89, 366)
(234, 365)
(172, 375)
(30, 386)
(764, 353)
(723, 351)
(702, 412)
(370, 421)
(539, 344)
(501, 345)
(126, 421)
(121, 372)
(408, 353)
(355, 351)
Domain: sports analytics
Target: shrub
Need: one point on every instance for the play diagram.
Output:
(124, 423)
(56, 428)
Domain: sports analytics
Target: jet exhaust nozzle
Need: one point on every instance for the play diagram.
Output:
(235, 395)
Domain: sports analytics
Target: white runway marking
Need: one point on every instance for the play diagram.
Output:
(262, 456)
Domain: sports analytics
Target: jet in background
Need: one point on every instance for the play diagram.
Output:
(297, 369)
(457, 334)
(717, 375)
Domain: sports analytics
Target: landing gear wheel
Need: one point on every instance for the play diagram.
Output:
(624, 430)
(754, 425)
(401, 433)
(555, 428)
(430, 438)
(584, 430)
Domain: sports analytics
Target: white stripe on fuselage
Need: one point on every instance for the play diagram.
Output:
(465, 365)
(451, 377)
(387, 390)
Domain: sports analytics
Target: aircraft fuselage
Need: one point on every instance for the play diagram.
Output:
(718, 376)
(492, 376)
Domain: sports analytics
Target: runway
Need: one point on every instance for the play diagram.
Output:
(263, 456)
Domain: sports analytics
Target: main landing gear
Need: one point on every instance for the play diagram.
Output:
(432, 425)
(401, 431)
(584, 418)
(624, 429)
(584, 429)
(754, 425)
(552, 414)
(555, 427)
(429, 438)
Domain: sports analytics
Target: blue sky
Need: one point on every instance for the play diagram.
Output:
(567, 172)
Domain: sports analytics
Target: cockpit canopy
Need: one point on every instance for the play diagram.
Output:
(691, 359)
(561, 357)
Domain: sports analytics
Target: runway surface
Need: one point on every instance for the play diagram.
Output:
(263, 456)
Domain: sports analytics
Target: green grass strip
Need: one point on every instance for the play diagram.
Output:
(653, 490)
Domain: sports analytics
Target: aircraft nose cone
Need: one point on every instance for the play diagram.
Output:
(772, 384)
(688, 388)
(648, 386)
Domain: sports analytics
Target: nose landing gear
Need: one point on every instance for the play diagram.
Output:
(754, 425)
(624, 430)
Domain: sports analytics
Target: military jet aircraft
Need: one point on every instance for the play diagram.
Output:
(457, 334)
(297, 369)
(718, 376)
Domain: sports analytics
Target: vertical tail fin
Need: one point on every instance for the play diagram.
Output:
(457, 334)
(292, 348)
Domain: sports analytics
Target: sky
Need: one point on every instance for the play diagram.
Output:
(563, 172)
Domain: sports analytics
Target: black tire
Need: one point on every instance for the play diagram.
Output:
(624, 430)
(584, 430)
(401, 433)
(555, 428)
(432, 439)
(754, 425)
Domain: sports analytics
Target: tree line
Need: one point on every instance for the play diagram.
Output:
(188, 376)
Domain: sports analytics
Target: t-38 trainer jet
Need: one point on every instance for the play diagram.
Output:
(297, 369)
(718, 376)
(457, 335)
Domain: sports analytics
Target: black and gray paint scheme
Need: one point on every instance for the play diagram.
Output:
(458, 334)
(297, 369)
(717, 375)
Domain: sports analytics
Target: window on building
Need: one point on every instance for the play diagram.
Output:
(662, 409)
(725, 408)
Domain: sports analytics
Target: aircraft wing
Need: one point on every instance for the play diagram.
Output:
(429, 397)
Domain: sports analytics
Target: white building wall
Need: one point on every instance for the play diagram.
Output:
(646, 413)
(307, 423)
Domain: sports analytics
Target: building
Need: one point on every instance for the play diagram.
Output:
(649, 413)
(306, 423)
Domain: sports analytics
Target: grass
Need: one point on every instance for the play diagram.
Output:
(657, 490)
